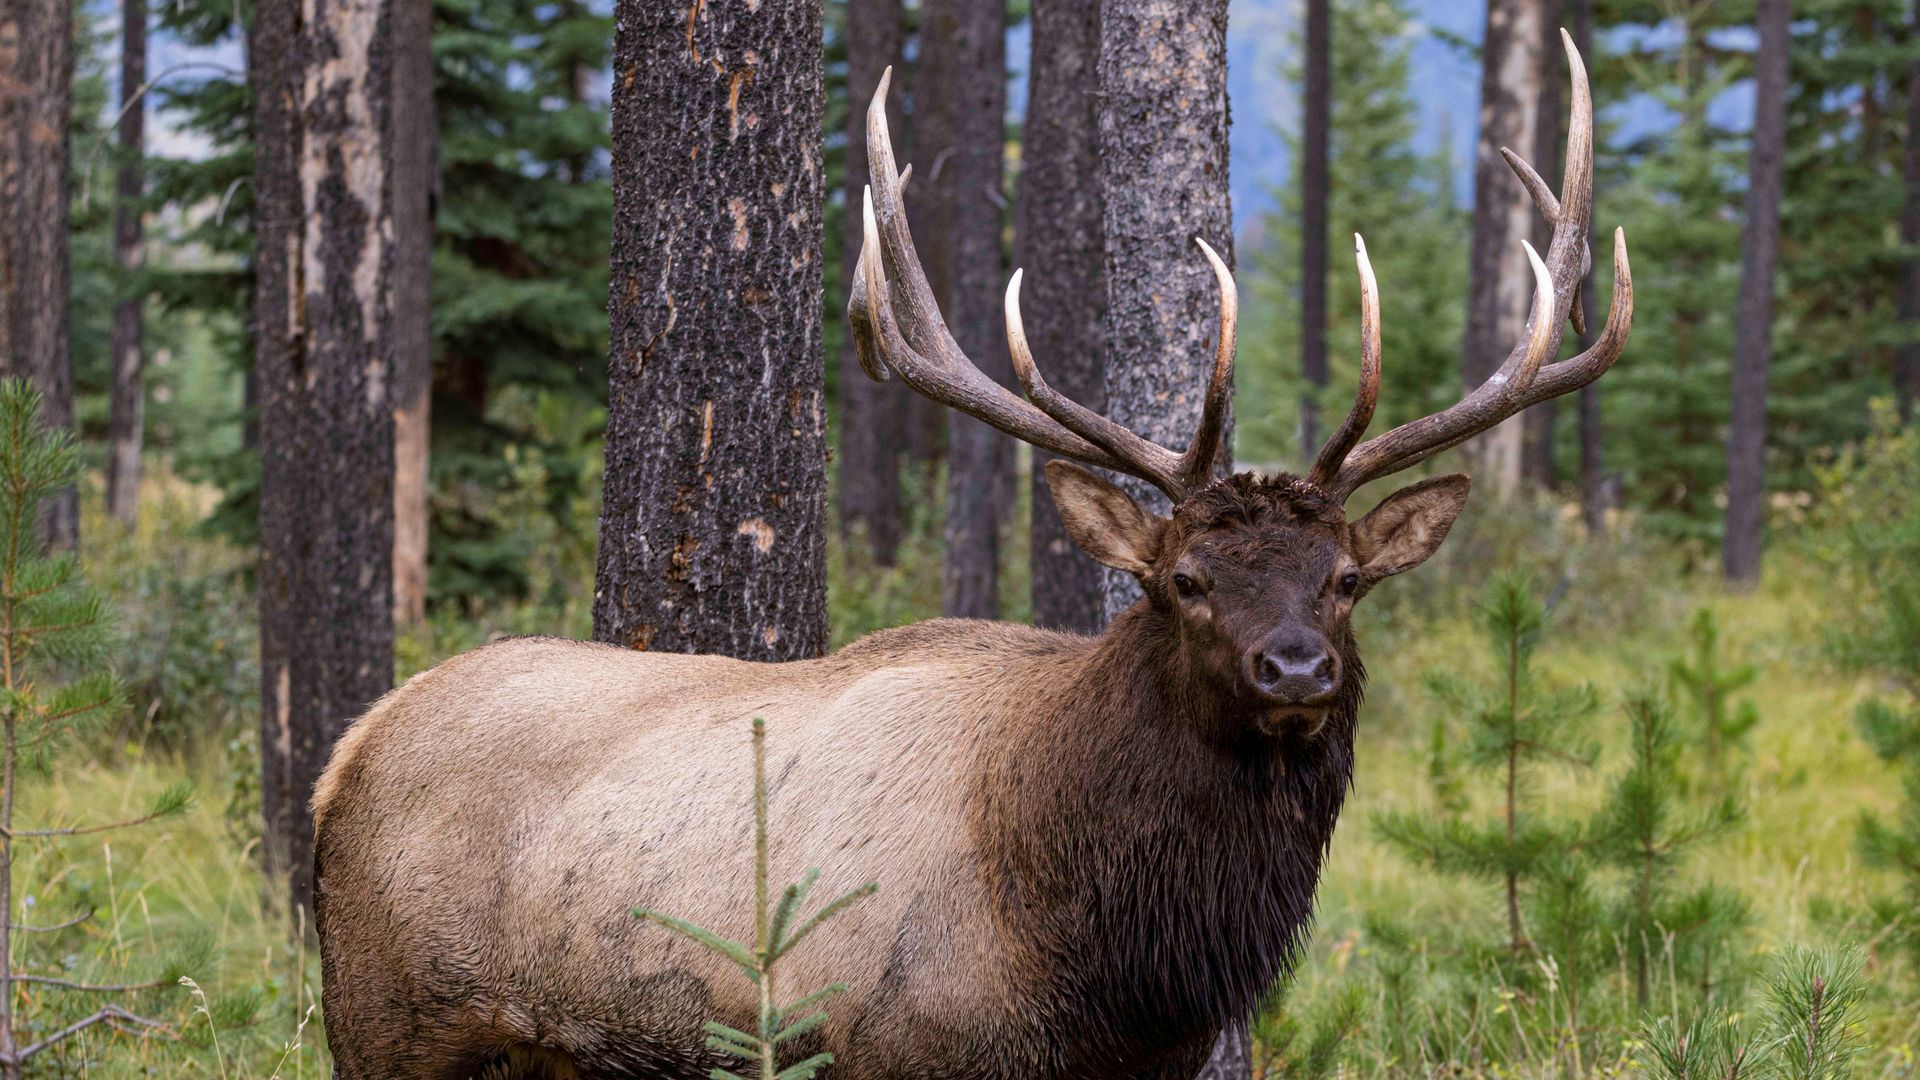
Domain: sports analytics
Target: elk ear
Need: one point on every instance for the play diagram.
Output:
(1408, 526)
(1103, 520)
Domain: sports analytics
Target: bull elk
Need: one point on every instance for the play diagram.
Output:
(1093, 851)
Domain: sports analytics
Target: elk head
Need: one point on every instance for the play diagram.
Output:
(1258, 574)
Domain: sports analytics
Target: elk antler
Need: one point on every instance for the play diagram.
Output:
(897, 326)
(1525, 378)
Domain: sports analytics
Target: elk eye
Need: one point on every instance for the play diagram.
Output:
(1349, 583)
(1184, 585)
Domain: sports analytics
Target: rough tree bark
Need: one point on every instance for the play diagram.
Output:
(415, 138)
(1593, 469)
(1061, 244)
(1548, 151)
(1499, 281)
(873, 416)
(713, 534)
(36, 78)
(327, 332)
(1163, 166)
(1753, 319)
(128, 395)
(1232, 1057)
(961, 136)
(1316, 98)
(1906, 361)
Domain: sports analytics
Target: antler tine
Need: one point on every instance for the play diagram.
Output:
(1154, 463)
(1196, 465)
(1525, 378)
(1543, 196)
(897, 326)
(1367, 395)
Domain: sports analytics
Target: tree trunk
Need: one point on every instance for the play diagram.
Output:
(873, 416)
(713, 534)
(1499, 281)
(1313, 220)
(128, 396)
(1061, 244)
(415, 139)
(1163, 161)
(1593, 477)
(1547, 153)
(323, 76)
(1753, 321)
(961, 135)
(36, 78)
(1906, 360)
(1232, 1057)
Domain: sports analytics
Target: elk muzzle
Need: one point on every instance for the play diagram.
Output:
(1297, 671)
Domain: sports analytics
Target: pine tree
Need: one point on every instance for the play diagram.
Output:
(1723, 722)
(1883, 551)
(1513, 67)
(1310, 1044)
(519, 290)
(1807, 1027)
(1665, 420)
(779, 928)
(1404, 204)
(1061, 245)
(1514, 725)
(1849, 126)
(960, 122)
(55, 635)
(126, 423)
(1646, 831)
(871, 416)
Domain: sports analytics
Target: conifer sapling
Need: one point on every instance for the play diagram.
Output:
(778, 929)
(54, 634)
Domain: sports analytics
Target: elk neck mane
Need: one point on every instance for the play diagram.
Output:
(1150, 856)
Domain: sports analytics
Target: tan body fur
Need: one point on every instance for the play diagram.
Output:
(486, 829)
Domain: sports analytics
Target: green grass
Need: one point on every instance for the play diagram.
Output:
(188, 889)
(1793, 857)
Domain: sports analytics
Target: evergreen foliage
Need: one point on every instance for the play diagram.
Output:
(1837, 322)
(1724, 723)
(55, 635)
(1291, 1045)
(519, 291)
(1646, 831)
(1666, 404)
(1806, 1027)
(1515, 724)
(1882, 532)
(519, 278)
(778, 929)
(1405, 204)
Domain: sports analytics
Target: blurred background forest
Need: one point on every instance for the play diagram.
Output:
(1663, 686)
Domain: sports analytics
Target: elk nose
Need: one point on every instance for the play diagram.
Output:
(1295, 668)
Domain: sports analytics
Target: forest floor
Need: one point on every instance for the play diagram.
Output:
(184, 895)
